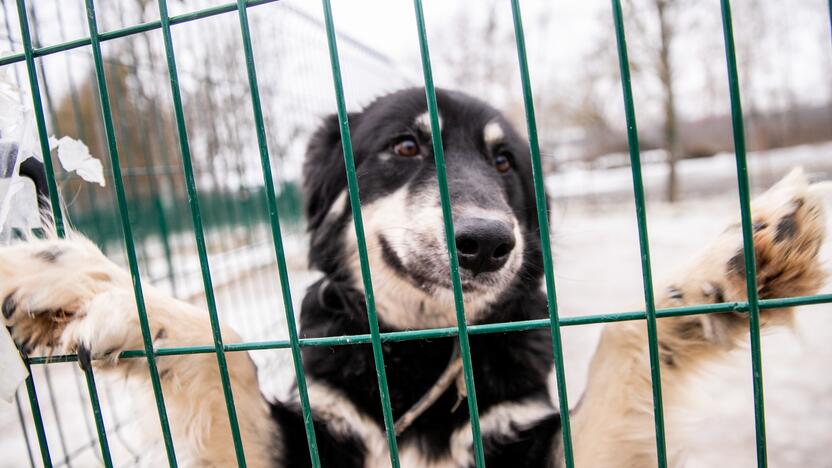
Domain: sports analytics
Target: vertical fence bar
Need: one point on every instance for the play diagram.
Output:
(644, 243)
(358, 223)
(747, 233)
(545, 241)
(53, 402)
(99, 420)
(221, 212)
(24, 430)
(47, 372)
(199, 234)
(447, 217)
(124, 215)
(30, 388)
(54, 199)
(274, 218)
(829, 10)
(58, 221)
(56, 127)
(37, 418)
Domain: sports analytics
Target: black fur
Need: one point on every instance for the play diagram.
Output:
(786, 228)
(332, 451)
(509, 367)
(49, 255)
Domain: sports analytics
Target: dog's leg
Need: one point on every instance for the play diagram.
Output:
(613, 426)
(66, 296)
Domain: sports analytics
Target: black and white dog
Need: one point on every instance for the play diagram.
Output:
(65, 296)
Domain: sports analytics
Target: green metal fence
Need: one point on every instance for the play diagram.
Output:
(275, 214)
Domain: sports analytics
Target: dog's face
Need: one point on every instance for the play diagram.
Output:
(489, 181)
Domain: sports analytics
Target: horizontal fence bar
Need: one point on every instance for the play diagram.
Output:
(131, 30)
(481, 329)
(174, 20)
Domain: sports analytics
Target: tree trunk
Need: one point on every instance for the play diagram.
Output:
(671, 132)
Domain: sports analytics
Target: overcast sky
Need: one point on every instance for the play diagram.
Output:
(801, 58)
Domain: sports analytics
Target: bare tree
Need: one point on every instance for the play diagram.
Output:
(655, 47)
(671, 130)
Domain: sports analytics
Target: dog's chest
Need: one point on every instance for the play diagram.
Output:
(508, 368)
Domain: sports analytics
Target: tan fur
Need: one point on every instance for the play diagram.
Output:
(81, 298)
(613, 426)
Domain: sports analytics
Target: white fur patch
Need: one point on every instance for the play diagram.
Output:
(493, 133)
(338, 207)
(423, 122)
(502, 420)
(343, 418)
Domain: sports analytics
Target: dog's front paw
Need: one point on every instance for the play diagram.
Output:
(65, 296)
(788, 232)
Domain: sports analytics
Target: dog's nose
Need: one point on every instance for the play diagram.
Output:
(483, 245)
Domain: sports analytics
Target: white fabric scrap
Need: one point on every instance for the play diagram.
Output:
(16, 210)
(12, 370)
(18, 204)
(75, 157)
(12, 121)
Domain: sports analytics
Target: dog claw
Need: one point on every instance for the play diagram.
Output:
(84, 360)
(9, 305)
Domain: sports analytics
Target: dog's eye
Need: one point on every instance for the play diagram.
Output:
(502, 162)
(407, 147)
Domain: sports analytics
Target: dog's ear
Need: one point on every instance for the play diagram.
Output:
(324, 176)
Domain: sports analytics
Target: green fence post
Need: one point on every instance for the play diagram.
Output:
(644, 243)
(53, 403)
(23, 428)
(358, 223)
(112, 148)
(747, 233)
(60, 230)
(199, 234)
(82, 134)
(37, 418)
(277, 238)
(447, 218)
(829, 10)
(545, 241)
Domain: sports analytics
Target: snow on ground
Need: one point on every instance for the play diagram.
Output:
(707, 176)
(598, 270)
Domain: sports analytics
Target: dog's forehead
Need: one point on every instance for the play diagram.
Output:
(456, 111)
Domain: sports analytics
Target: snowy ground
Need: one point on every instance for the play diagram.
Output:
(598, 270)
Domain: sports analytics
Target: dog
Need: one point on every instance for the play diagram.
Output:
(64, 295)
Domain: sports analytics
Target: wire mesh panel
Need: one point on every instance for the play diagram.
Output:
(237, 203)
(199, 194)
